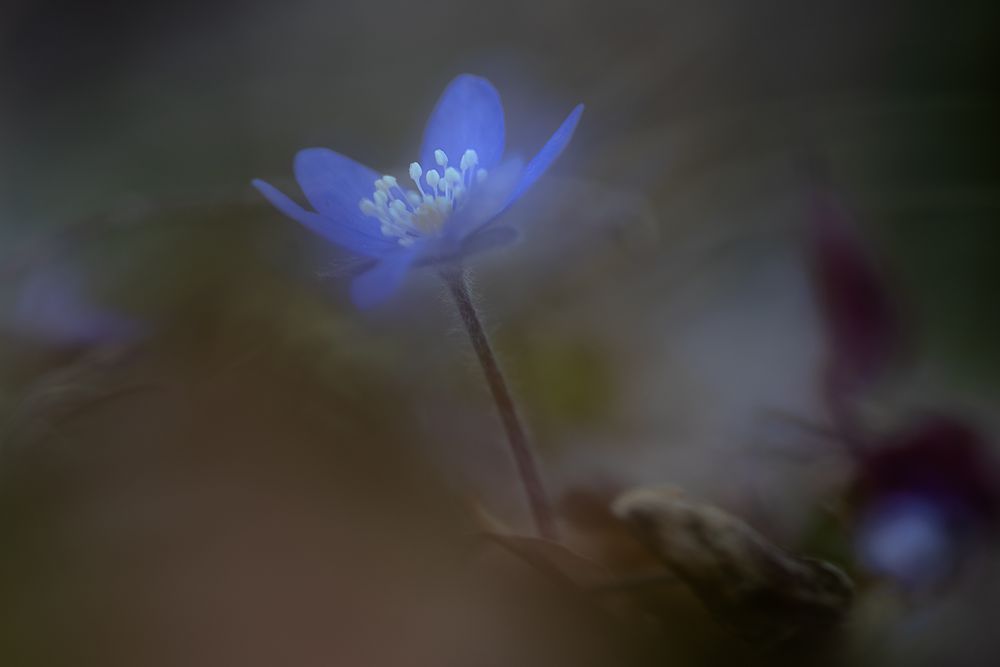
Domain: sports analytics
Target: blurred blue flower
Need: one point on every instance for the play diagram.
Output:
(928, 493)
(909, 540)
(461, 184)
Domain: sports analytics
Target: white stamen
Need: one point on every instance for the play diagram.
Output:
(415, 173)
(407, 215)
(469, 160)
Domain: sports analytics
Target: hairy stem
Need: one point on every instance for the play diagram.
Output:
(520, 449)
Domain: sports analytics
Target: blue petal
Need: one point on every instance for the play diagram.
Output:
(487, 200)
(379, 283)
(331, 230)
(335, 184)
(469, 114)
(550, 151)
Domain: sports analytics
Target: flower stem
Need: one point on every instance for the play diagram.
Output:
(520, 449)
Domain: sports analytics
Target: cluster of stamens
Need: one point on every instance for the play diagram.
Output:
(409, 214)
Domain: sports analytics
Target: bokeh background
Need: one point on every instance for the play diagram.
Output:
(210, 457)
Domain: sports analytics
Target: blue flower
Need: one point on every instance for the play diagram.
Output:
(926, 496)
(461, 184)
(909, 540)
